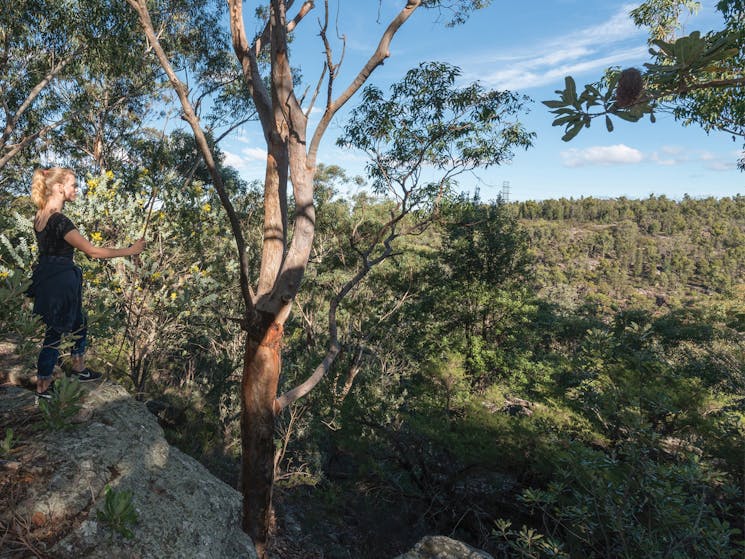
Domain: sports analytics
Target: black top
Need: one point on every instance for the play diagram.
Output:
(51, 239)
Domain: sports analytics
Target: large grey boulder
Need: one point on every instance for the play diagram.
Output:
(183, 511)
(441, 547)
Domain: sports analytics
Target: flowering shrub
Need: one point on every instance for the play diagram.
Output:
(151, 313)
(156, 315)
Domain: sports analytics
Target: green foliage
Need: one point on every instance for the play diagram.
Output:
(118, 512)
(428, 120)
(631, 504)
(625, 384)
(64, 404)
(6, 446)
(84, 90)
(16, 319)
(662, 17)
(526, 542)
(448, 374)
(460, 10)
(656, 250)
(156, 309)
(470, 298)
(634, 396)
(575, 112)
(689, 54)
(616, 323)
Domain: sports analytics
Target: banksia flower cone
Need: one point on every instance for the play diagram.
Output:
(630, 86)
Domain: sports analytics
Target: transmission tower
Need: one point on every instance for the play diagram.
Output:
(505, 194)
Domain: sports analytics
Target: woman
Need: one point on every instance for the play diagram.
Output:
(56, 284)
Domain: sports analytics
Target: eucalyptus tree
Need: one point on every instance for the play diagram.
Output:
(59, 71)
(81, 90)
(35, 53)
(419, 139)
(292, 152)
(699, 77)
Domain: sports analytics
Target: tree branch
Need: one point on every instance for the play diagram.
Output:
(33, 94)
(713, 84)
(301, 390)
(144, 15)
(381, 53)
(15, 148)
(249, 64)
(334, 346)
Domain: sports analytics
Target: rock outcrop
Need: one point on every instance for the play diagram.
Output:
(440, 547)
(60, 477)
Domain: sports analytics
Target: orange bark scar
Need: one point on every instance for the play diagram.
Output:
(273, 337)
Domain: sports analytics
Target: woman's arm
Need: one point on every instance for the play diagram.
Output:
(77, 240)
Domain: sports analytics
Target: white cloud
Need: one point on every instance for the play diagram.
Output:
(612, 42)
(669, 162)
(726, 161)
(722, 165)
(315, 110)
(666, 156)
(669, 156)
(676, 155)
(254, 154)
(672, 150)
(242, 137)
(233, 160)
(250, 160)
(529, 74)
(617, 28)
(619, 154)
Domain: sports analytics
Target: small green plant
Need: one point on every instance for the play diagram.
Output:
(64, 404)
(7, 445)
(525, 543)
(118, 512)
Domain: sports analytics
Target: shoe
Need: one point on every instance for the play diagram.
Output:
(85, 375)
(46, 395)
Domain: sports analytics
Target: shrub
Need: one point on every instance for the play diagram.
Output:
(630, 504)
(118, 512)
(64, 404)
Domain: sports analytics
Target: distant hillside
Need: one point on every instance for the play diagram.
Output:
(645, 252)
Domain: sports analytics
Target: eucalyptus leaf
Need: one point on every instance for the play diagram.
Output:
(608, 123)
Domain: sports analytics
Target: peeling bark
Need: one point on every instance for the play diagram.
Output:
(262, 365)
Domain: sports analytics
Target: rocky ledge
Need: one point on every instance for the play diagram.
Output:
(53, 485)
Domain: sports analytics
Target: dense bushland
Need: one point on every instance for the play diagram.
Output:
(542, 379)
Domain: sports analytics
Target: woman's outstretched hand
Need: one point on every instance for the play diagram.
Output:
(137, 247)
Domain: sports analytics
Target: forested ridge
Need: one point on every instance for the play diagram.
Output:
(638, 249)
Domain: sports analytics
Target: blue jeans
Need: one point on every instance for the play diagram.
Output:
(50, 350)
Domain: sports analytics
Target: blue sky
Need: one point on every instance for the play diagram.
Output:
(528, 47)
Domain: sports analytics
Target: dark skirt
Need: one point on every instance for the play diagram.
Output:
(57, 289)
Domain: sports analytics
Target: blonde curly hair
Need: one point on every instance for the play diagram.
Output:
(42, 182)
